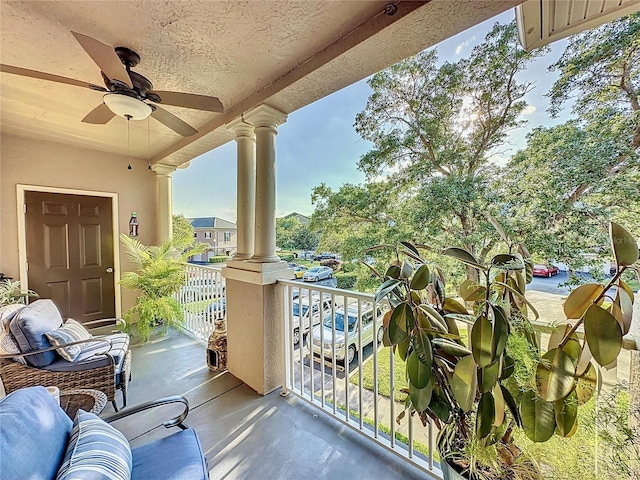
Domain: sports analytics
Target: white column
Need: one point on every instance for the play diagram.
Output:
(246, 192)
(163, 201)
(265, 120)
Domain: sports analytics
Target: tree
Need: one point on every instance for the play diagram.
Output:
(293, 235)
(434, 128)
(573, 178)
(183, 230)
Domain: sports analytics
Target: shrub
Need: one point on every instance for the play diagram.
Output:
(287, 257)
(218, 259)
(334, 264)
(346, 280)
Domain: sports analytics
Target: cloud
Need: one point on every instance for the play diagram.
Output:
(529, 109)
(461, 46)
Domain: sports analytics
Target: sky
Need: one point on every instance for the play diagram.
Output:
(318, 143)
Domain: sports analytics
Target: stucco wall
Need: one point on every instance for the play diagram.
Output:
(37, 162)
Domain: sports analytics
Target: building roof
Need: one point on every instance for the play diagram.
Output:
(303, 219)
(211, 222)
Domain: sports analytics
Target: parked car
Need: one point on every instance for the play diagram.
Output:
(300, 308)
(200, 289)
(324, 256)
(219, 305)
(299, 270)
(545, 271)
(346, 345)
(317, 273)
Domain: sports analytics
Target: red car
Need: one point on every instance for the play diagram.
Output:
(545, 271)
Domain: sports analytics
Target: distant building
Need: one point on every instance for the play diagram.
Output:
(303, 219)
(221, 234)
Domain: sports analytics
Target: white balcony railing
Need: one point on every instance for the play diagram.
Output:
(202, 299)
(316, 372)
(317, 369)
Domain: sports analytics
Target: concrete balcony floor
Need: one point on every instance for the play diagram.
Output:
(245, 435)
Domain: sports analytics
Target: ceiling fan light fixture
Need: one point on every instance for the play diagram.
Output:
(125, 106)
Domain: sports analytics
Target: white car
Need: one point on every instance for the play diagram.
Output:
(346, 346)
(317, 273)
(301, 304)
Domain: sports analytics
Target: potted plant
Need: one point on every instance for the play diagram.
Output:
(160, 272)
(477, 394)
(11, 292)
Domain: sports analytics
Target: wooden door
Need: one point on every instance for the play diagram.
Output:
(70, 253)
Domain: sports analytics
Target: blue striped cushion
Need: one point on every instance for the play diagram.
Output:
(71, 331)
(96, 451)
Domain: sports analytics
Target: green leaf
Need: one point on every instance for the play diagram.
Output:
(386, 288)
(573, 349)
(436, 319)
(421, 397)
(449, 347)
(566, 415)
(587, 385)
(511, 403)
(440, 407)
(489, 376)
(422, 347)
(464, 256)
(398, 323)
(555, 375)
(580, 299)
(500, 331)
(471, 291)
(625, 286)
(508, 367)
(481, 341)
(500, 406)
(421, 278)
(451, 305)
(407, 269)
(464, 383)
(403, 348)
(498, 228)
(486, 415)
(419, 374)
(409, 246)
(507, 262)
(393, 271)
(603, 334)
(625, 248)
(538, 417)
(624, 310)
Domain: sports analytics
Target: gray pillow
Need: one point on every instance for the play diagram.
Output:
(29, 327)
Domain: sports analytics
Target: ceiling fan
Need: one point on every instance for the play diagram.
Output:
(128, 94)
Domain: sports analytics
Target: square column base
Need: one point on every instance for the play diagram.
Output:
(254, 323)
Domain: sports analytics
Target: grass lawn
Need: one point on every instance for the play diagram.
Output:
(305, 263)
(198, 307)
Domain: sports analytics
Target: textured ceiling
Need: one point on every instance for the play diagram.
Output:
(285, 53)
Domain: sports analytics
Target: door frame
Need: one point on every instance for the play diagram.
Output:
(22, 232)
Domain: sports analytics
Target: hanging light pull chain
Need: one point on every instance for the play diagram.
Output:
(128, 117)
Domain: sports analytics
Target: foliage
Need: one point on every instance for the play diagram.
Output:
(218, 259)
(293, 235)
(11, 292)
(330, 262)
(159, 272)
(345, 280)
(477, 392)
(434, 128)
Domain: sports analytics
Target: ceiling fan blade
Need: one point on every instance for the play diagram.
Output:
(25, 72)
(99, 115)
(105, 57)
(173, 122)
(190, 100)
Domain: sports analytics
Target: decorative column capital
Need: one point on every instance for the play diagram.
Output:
(241, 128)
(265, 116)
(163, 169)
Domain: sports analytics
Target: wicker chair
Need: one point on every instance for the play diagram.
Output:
(16, 375)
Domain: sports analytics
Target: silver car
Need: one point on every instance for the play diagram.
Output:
(300, 308)
(317, 273)
(346, 345)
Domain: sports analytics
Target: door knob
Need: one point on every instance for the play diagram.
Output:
(109, 270)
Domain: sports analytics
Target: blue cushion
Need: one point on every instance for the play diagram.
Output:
(70, 332)
(176, 457)
(29, 327)
(96, 451)
(34, 432)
